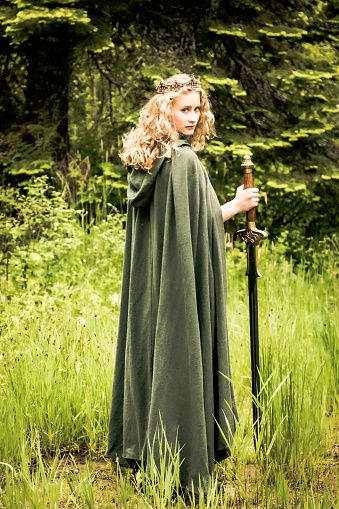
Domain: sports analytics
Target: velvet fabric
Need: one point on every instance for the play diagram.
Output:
(172, 369)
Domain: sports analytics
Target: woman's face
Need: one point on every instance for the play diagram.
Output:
(186, 112)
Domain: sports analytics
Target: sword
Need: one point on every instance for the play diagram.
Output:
(251, 236)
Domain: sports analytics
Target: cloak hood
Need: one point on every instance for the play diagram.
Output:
(141, 183)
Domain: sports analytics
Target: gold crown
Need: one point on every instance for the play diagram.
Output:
(175, 87)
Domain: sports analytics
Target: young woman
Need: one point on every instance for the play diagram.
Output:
(172, 370)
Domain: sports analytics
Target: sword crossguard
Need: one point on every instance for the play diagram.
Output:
(251, 235)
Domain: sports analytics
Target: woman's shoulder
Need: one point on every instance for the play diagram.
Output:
(183, 154)
(186, 166)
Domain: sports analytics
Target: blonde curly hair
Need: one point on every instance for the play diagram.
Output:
(156, 135)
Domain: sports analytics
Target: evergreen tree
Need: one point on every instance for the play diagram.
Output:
(272, 68)
(38, 40)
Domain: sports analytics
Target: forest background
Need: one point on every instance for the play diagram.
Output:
(74, 75)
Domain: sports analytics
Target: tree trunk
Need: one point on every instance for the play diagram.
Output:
(49, 64)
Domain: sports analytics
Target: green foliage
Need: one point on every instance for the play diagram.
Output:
(285, 118)
(38, 231)
(99, 191)
(31, 20)
(283, 31)
(25, 18)
(42, 489)
(271, 72)
(29, 152)
(40, 214)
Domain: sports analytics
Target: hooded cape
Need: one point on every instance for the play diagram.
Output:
(172, 369)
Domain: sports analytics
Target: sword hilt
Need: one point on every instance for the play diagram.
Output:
(248, 183)
(250, 235)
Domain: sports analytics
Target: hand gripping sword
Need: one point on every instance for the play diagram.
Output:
(251, 236)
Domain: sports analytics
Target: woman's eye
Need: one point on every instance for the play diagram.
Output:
(184, 110)
(197, 108)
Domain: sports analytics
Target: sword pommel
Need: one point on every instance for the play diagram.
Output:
(247, 164)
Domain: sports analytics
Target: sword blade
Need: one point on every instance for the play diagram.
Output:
(254, 334)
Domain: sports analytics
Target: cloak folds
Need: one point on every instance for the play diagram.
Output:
(172, 342)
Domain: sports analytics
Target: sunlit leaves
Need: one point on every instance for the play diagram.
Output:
(283, 31)
(222, 29)
(34, 19)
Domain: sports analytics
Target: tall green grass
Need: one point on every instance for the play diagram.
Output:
(299, 323)
(57, 345)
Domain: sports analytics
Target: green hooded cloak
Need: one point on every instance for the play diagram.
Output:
(172, 366)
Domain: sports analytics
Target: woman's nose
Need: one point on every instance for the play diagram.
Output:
(193, 116)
